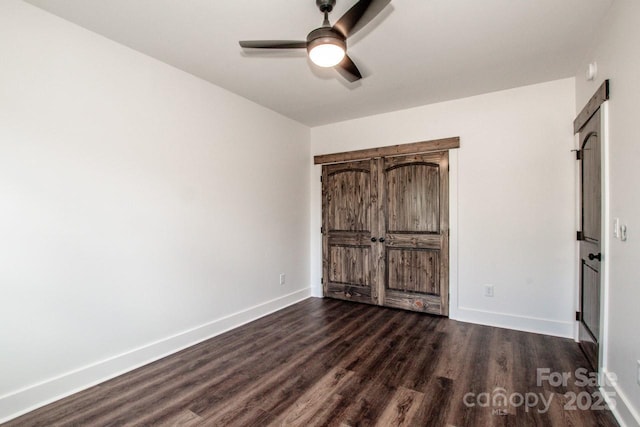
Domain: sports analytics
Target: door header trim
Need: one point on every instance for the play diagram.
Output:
(601, 95)
(392, 150)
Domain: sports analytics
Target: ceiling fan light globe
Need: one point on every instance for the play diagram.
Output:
(326, 54)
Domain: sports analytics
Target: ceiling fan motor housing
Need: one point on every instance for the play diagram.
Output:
(325, 35)
(325, 5)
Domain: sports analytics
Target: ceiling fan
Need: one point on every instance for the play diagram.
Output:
(327, 45)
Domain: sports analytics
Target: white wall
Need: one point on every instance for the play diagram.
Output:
(615, 49)
(141, 209)
(514, 207)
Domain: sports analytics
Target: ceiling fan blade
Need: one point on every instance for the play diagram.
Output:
(359, 15)
(347, 69)
(274, 44)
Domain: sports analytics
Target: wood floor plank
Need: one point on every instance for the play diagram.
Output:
(454, 348)
(500, 372)
(373, 392)
(326, 362)
(401, 408)
(309, 405)
(526, 358)
(214, 374)
(436, 404)
(289, 375)
(474, 380)
(185, 418)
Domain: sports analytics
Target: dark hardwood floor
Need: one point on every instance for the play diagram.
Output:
(329, 362)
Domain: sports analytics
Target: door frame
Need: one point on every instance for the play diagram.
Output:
(598, 101)
(444, 144)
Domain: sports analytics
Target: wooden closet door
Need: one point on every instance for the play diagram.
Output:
(591, 236)
(415, 219)
(349, 191)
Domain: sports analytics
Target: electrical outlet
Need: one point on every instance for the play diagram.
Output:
(488, 291)
(283, 278)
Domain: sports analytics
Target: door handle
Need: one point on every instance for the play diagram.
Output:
(373, 239)
(598, 257)
(381, 240)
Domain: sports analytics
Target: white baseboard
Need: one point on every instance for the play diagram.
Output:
(502, 320)
(516, 322)
(619, 403)
(29, 398)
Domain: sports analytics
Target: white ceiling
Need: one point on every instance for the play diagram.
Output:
(415, 52)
